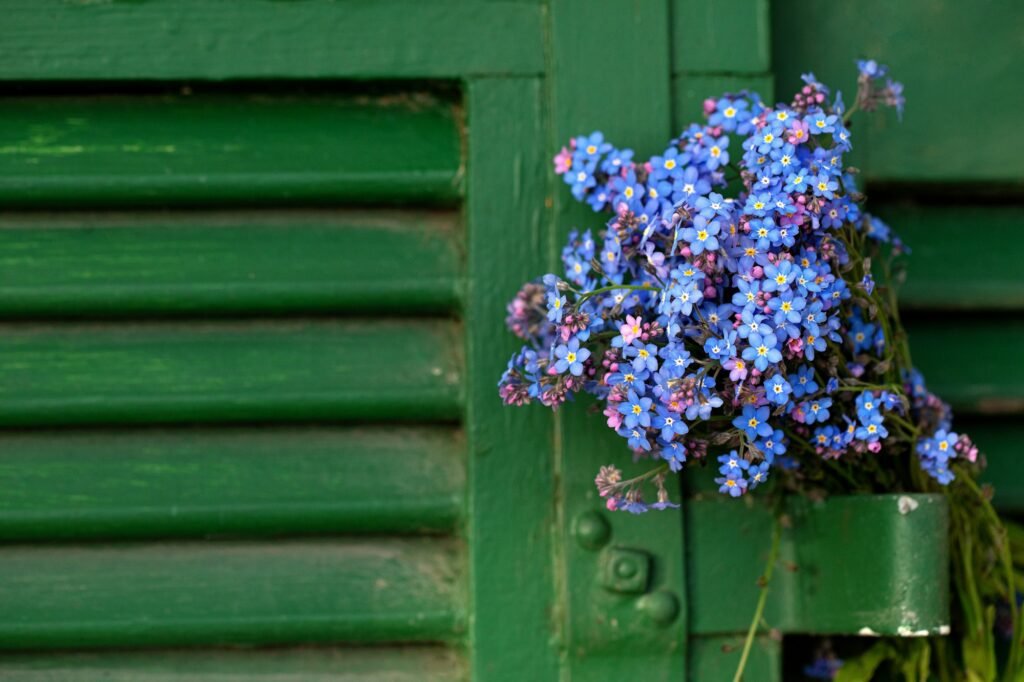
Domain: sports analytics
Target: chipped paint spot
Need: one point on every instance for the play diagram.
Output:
(867, 632)
(944, 630)
(907, 504)
(906, 631)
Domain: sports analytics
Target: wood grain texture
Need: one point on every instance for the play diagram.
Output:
(306, 664)
(217, 148)
(952, 264)
(87, 264)
(961, 118)
(723, 37)
(285, 592)
(966, 362)
(219, 40)
(254, 481)
(230, 371)
(514, 633)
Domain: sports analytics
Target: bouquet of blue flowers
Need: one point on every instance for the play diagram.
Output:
(738, 311)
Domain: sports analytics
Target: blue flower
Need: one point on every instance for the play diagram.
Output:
(821, 123)
(645, 356)
(632, 379)
(753, 422)
(571, 357)
(733, 485)
(817, 410)
(869, 68)
(637, 411)
(824, 186)
(670, 423)
(777, 390)
(779, 277)
(556, 304)
(637, 438)
(676, 360)
(675, 454)
(703, 236)
(772, 445)
(721, 349)
(803, 382)
(718, 152)
(732, 463)
(752, 323)
(871, 430)
(763, 350)
(690, 185)
(669, 165)
(758, 474)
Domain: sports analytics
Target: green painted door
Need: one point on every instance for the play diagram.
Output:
(254, 259)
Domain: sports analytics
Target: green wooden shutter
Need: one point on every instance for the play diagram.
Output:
(254, 259)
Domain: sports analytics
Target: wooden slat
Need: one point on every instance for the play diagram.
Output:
(228, 262)
(216, 148)
(169, 594)
(379, 664)
(963, 256)
(189, 482)
(206, 372)
(196, 39)
(969, 361)
(909, 37)
(724, 37)
(1000, 440)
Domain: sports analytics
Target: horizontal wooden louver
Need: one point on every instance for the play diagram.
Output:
(120, 150)
(228, 261)
(232, 385)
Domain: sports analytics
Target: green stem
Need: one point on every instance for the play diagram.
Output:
(766, 579)
(618, 287)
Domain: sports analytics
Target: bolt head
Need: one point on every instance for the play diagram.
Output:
(592, 530)
(661, 607)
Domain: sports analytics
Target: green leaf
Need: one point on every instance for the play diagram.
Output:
(979, 650)
(863, 667)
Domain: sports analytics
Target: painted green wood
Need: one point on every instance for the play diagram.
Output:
(1000, 440)
(945, 135)
(966, 361)
(845, 564)
(193, 482)
(218, 371)
(125, 149)
(940, 238)
(85, 264)
(513, 633)
(723, 37)
(690, 90)
(282, 592)
(611, 635)
(715, 659)
(196, 39)
(406, 664)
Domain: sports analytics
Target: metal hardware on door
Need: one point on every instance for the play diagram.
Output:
(626, 571)
(592, 530)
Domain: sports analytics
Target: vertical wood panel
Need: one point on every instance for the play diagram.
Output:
(512, 633)
(610, 71)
